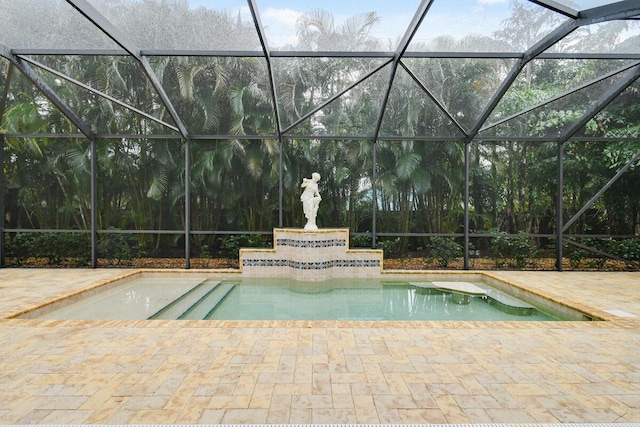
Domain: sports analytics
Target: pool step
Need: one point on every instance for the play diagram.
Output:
(509, 303)
(181, 304)
(463, 290)
(202, 308)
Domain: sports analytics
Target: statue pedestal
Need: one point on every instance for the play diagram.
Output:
(311, 255)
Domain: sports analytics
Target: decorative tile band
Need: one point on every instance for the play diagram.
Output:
(307, 244)
(314, 265)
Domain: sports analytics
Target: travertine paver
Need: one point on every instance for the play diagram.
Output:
(182, 372)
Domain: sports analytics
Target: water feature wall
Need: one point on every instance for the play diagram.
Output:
(311, 255)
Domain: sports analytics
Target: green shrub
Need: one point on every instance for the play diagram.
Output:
(20, 246)
(389, 246)
(230, 245)
(592, 259)
(444, 249)
(56, 248)
(575, 254)
(205, 252)
(76, 247)
(519, 249)
(628, 249)
(115, 248)
(361, 241)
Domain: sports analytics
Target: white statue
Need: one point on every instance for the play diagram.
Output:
(310, 199)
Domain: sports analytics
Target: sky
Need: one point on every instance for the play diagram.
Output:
(279, 16)
(457, 18)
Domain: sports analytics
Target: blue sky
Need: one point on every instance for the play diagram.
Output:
(457, 18)
(279, 16)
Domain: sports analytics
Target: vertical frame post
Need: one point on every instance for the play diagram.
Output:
(2, 206)
(559, 207)
(467, 161)
(280, 183)
(187, 203)
(94, 203)
(374, 196)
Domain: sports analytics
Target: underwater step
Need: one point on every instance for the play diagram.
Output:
(509, 303)
(178, 306)
(456, 287)
(207, 304)
(462, 292)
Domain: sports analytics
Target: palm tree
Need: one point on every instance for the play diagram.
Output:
(304, 86)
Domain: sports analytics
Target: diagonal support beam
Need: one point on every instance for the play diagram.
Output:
(417, 19)
(620, 10)
(601, 192)
(100, 94)
(153, 78)
(551, 39)
(267, 55)
(37, 81)
(426, 90)
(104, 25)
(5, 91)
(335, 97)
(617, 10)
(560, 96)
(605, 99)
(557, 7)
(5, 51)
(274, 96)
(594, 250)
(412, 29)
(54, 98)
(609, 96)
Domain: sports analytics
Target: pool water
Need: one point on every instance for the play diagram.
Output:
(282, 299)
(359, 300)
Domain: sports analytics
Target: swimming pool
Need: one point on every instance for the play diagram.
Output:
(188, 298)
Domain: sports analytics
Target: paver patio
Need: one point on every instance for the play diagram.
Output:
(285, 372)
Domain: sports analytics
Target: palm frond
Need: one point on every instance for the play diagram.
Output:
(158, 184)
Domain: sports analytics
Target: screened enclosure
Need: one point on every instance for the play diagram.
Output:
(452, 131)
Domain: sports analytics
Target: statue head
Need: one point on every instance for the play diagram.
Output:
(315, 176)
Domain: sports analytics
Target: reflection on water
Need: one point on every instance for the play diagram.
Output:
(275, 299)
(136, 298)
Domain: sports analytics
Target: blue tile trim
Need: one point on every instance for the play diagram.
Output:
(308, 244)
(317, 265)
